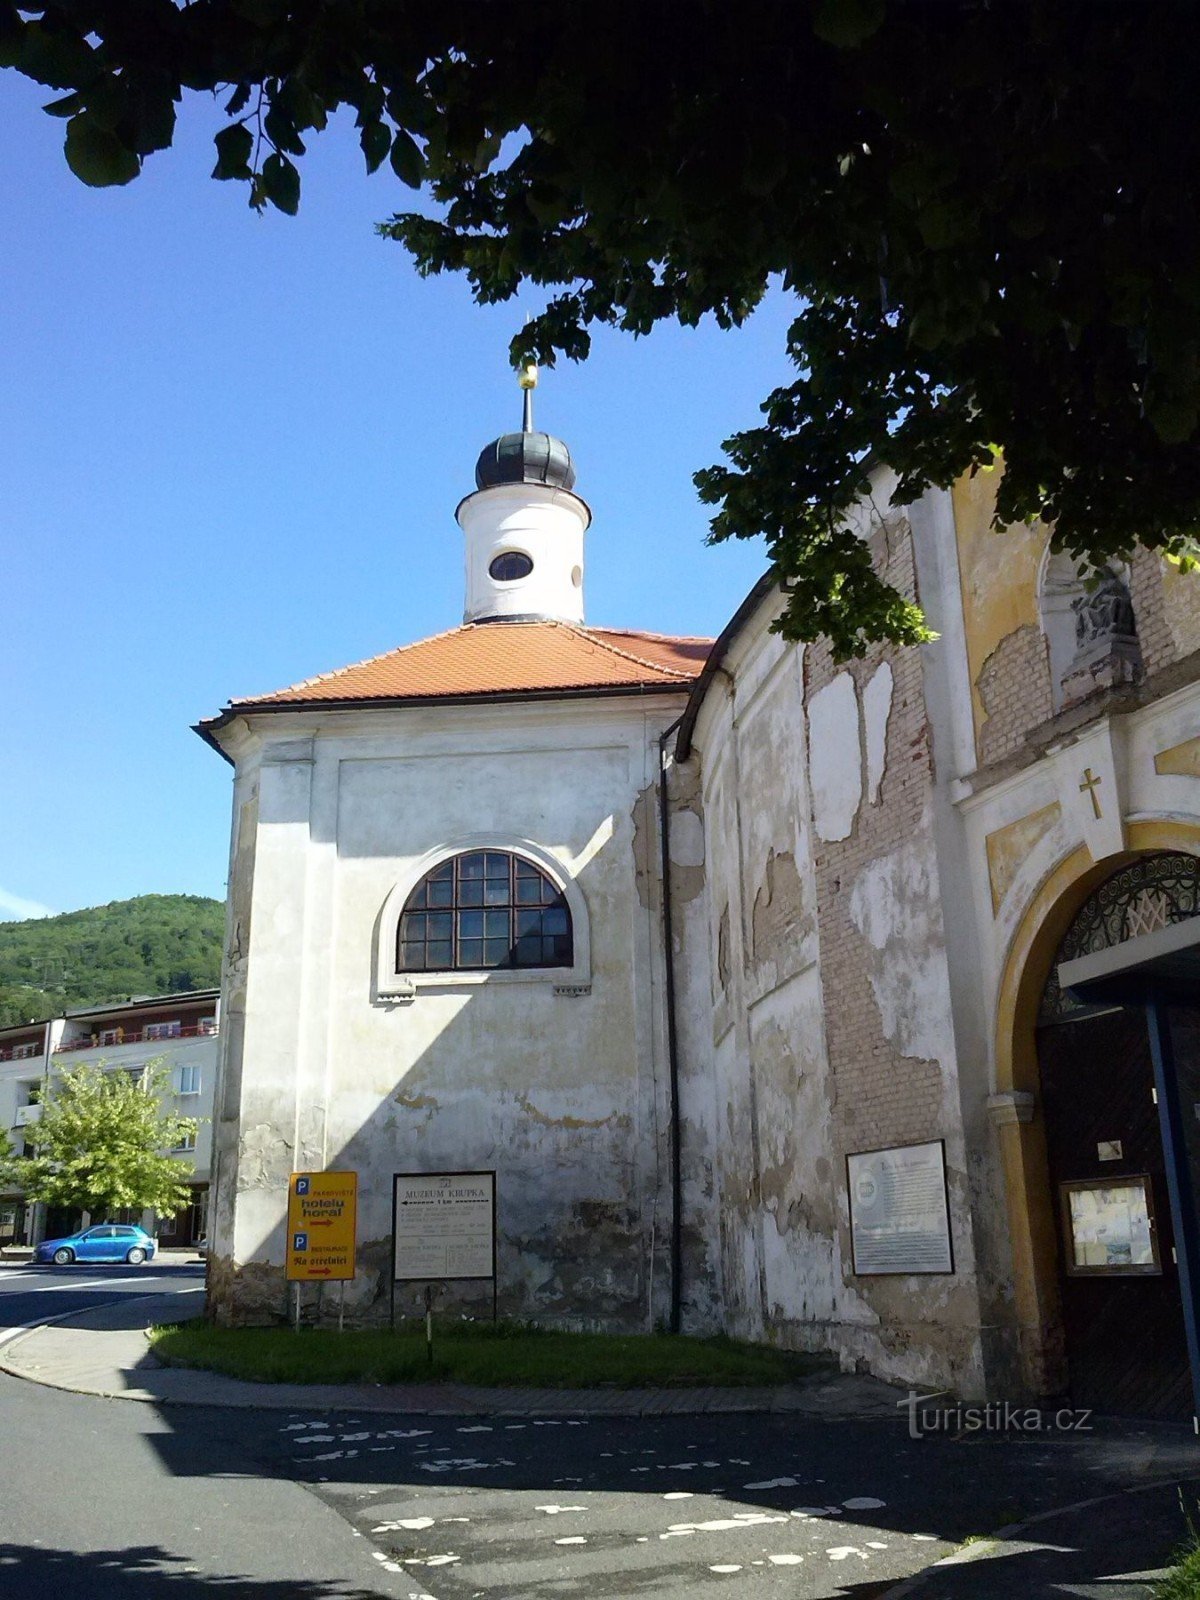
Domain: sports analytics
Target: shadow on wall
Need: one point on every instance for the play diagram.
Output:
(552, 1091)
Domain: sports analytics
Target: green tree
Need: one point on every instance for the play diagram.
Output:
(8, 1160)
(988, 214)
(101, 1142)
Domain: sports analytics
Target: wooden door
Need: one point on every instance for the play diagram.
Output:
(1126, 1349)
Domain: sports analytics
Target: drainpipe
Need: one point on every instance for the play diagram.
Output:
(664, 830)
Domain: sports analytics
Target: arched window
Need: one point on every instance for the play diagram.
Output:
(483, 910)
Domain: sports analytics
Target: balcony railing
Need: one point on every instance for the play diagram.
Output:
(20, 1052)
(110, 1038)
(26, 1115)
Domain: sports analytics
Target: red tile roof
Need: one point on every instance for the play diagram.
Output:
(503, 658)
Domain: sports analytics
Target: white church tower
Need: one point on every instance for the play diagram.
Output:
(524, 528)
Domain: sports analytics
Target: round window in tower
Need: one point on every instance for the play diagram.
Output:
(510, 565)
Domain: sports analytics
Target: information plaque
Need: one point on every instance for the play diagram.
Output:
(899, 1210)
(443, 1226)
(1109, 1227)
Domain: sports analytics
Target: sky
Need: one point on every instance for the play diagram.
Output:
(230, 451)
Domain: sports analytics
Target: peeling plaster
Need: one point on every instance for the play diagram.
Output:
(894, 905)
(834, 757)
(877, 709)
(568, 1122)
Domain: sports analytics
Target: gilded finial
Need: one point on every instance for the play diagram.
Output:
(527, 378)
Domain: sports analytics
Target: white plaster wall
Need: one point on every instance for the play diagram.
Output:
(777, 1227)
(563, 1095)
(545, 524)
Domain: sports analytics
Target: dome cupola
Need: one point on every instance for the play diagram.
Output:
(524, 527)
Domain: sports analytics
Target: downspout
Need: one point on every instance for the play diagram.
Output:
(664, 830)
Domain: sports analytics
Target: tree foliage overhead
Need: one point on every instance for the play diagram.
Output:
(101, 1143)
(153, 944)
(987, 210)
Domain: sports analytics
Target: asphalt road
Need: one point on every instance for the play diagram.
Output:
(119, 1500)
(30, 1294)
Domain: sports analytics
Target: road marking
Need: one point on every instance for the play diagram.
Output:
(8, 1334)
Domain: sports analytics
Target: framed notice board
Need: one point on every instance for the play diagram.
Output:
(443, 1227)
(900, 1210)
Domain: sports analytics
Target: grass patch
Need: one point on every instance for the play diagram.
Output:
(1183, 1580)
(502, 1354)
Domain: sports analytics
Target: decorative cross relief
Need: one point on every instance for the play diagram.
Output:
(1089, 786)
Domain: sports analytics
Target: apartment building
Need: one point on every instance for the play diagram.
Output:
(177, 1031)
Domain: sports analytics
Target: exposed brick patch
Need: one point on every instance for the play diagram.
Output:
(1014, 685)
(880, 1097)
(1153, 629)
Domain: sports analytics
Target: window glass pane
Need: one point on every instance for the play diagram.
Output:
(441, 893)
(484, 909)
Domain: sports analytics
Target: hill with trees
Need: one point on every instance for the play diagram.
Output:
(152, 944)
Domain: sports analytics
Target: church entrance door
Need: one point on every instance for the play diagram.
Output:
(1122, 1308)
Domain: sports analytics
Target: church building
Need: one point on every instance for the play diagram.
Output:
(843, 1006)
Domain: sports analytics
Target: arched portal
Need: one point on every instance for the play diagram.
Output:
(1118, 1280)
(1032, 1216)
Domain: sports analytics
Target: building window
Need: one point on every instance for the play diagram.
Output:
(187, 1141)
(513, 564)
(163, 1030)
(189, 1080)
(112, 1036)
(484, 910)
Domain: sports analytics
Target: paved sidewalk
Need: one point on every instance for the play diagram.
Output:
(105, 1352)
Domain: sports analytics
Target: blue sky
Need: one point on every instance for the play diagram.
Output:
(230, 452)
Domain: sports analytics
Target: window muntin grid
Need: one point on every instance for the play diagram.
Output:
(482, 911)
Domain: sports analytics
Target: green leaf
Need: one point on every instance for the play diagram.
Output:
(281, 184)
(846, 23)
(376, 141)
(67, 106)
(234, 145)
(97, 156)
(281, 131)
(407, 161)
(238, 100)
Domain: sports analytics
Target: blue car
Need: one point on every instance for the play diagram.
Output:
(109, 1242)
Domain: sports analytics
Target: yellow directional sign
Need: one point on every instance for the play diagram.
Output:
(322, 1221)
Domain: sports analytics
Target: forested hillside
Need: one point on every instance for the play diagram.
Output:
(154, 944)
